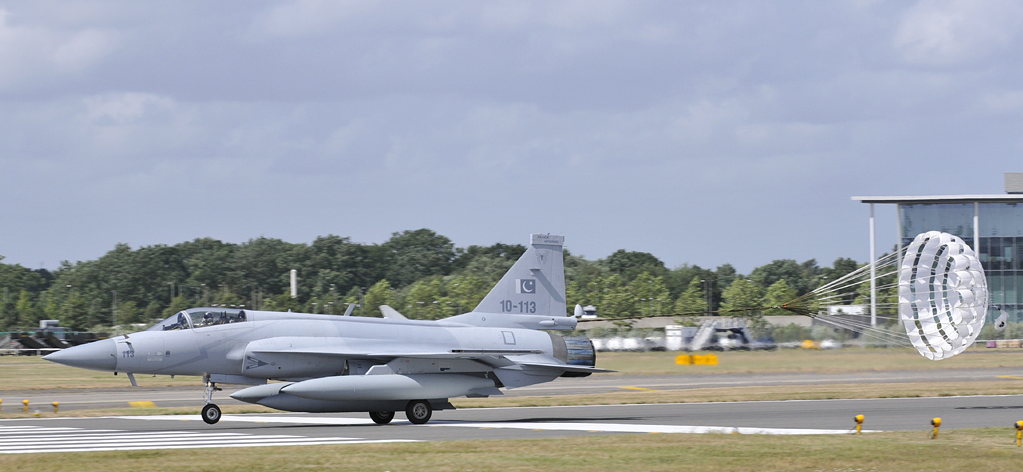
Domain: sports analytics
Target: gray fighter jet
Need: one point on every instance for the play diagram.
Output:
(327, 363)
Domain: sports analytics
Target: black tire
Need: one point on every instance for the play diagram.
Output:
(211, 413)
(418, 411)
(381, 417)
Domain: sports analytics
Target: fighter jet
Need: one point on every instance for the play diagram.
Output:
(328, 363)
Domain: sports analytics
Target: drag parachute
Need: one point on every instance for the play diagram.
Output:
(943, 295)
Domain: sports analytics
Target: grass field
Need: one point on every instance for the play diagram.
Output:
(991, 449)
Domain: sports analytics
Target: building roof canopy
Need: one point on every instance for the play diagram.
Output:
(1016, 198)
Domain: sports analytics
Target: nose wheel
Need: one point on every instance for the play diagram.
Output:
(381, 417)
(211, 412)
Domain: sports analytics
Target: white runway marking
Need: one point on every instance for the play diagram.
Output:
(261, 419)
(553, 426)
(646, 428)
(36, 439)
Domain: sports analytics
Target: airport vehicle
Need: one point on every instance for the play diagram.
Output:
(327, 363)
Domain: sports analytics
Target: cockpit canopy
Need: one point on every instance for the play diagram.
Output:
(200, 318)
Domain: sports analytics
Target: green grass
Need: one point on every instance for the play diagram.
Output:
(803, 360)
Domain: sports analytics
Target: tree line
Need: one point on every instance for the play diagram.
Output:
(418, 272)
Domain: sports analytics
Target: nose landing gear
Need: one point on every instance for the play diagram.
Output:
(211, 412)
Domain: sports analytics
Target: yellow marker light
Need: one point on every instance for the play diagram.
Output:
(56, 405)
(1019, 433)
(936, 422)
(684, 359)
(859, 423)
(26, 405)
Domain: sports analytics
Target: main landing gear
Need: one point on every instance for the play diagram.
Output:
(417, 412)
(210, 412)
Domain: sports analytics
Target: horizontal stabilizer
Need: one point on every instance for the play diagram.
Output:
(391, 313)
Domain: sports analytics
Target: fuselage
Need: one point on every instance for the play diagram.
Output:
(292, 346)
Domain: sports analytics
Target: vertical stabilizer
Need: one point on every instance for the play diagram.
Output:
(531, 294)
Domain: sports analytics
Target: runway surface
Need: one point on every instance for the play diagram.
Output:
(38, 435)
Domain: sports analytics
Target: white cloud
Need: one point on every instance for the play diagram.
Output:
(310, 17)
(125, 107)
(950, 32)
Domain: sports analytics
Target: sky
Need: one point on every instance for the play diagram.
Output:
(702, 132)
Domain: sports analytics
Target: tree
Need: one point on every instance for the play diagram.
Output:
(179, 303)
(778, 294)
(650, 293)
(740, 295)
(127, 313)
(152, 312)
(780, 269)
(693, 300)
(27, 312)
(413, 255)
(423, 300)
(466, 291)
(380, 293)
(612, 297)
(743, 298)
(507, 254)
(77, 318)
(630, 264)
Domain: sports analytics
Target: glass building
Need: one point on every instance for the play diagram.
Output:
(991, 224)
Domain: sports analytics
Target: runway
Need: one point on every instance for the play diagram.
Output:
(37, 435)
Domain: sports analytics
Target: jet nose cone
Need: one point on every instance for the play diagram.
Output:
(97, 355)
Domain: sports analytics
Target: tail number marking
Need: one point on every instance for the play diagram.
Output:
(508, 306)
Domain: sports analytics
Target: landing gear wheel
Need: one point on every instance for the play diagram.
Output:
(418, 411)
(211, 413)
(381, 417)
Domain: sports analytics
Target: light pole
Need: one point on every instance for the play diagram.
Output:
(706, 293)
(68, 301)
(333, 295)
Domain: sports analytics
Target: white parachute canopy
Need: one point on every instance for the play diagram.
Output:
(943, 295)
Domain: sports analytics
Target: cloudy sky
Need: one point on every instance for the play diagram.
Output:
(702, 132)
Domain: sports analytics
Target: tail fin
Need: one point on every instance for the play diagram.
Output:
(532, 293)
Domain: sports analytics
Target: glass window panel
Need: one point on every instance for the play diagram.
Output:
(1009, 254)
(983, 253)
(996, 254)
(953, 218)
(995, 289)
(1018, 261)
(1001, 219)
(1009, 288)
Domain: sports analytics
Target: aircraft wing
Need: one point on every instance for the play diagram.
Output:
(328, 351)
(329, 348)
